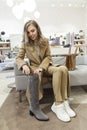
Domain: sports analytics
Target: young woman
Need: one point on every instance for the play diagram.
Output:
(36, 48)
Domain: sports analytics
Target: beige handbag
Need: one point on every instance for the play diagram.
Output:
(71, 59)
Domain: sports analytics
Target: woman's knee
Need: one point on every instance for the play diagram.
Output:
(58, 69)
(63, 68)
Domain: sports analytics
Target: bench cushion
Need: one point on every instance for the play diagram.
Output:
(78, 76)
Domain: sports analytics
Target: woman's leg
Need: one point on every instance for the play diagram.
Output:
(40, 87)
(59, 94)
(34, 98)
(65, 89)
(60, 82)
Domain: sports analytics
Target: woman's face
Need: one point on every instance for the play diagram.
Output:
(32, 32)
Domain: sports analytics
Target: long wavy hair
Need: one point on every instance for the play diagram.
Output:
(26, 39)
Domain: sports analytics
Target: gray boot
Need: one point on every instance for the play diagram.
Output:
(34, 99)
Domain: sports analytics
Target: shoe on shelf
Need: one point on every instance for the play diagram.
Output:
(70, 112)
(60, 112)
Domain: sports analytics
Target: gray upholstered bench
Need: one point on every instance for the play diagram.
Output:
(77, 76)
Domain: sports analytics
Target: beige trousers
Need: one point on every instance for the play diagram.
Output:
(60, 83)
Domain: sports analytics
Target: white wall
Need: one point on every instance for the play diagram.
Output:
(86, 25)
(61, 20)
(11, 26)
(53, 20)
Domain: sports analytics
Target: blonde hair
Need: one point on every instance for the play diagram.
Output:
(26, 39)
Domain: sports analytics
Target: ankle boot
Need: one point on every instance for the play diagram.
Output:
(34, 99)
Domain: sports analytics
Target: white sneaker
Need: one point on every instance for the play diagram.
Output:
(70, 112)
(60, 112)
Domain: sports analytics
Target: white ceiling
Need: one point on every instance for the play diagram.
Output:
(6, 12)
(47, 2)
(49, 10)
(73, 2)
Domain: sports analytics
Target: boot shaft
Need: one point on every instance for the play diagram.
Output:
(33, 90)
(34, 98)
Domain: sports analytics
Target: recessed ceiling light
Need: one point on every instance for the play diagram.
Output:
(36, 14)
(29, 5)
(69, 4)
(53, 5)
(17, 11)
(61, 5)
(9, 3)
(83, 5)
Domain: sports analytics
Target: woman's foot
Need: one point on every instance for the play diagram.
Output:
(69, 111)
(39, 115)
(60, 112)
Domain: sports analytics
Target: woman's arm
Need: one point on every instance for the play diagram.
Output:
(20, 60)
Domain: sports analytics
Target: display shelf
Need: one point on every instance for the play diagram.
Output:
(5, 48)
(79, 41)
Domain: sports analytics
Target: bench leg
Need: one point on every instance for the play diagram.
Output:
(20, 96)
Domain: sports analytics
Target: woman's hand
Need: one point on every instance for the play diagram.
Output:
(38, 71)
(26, 69)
